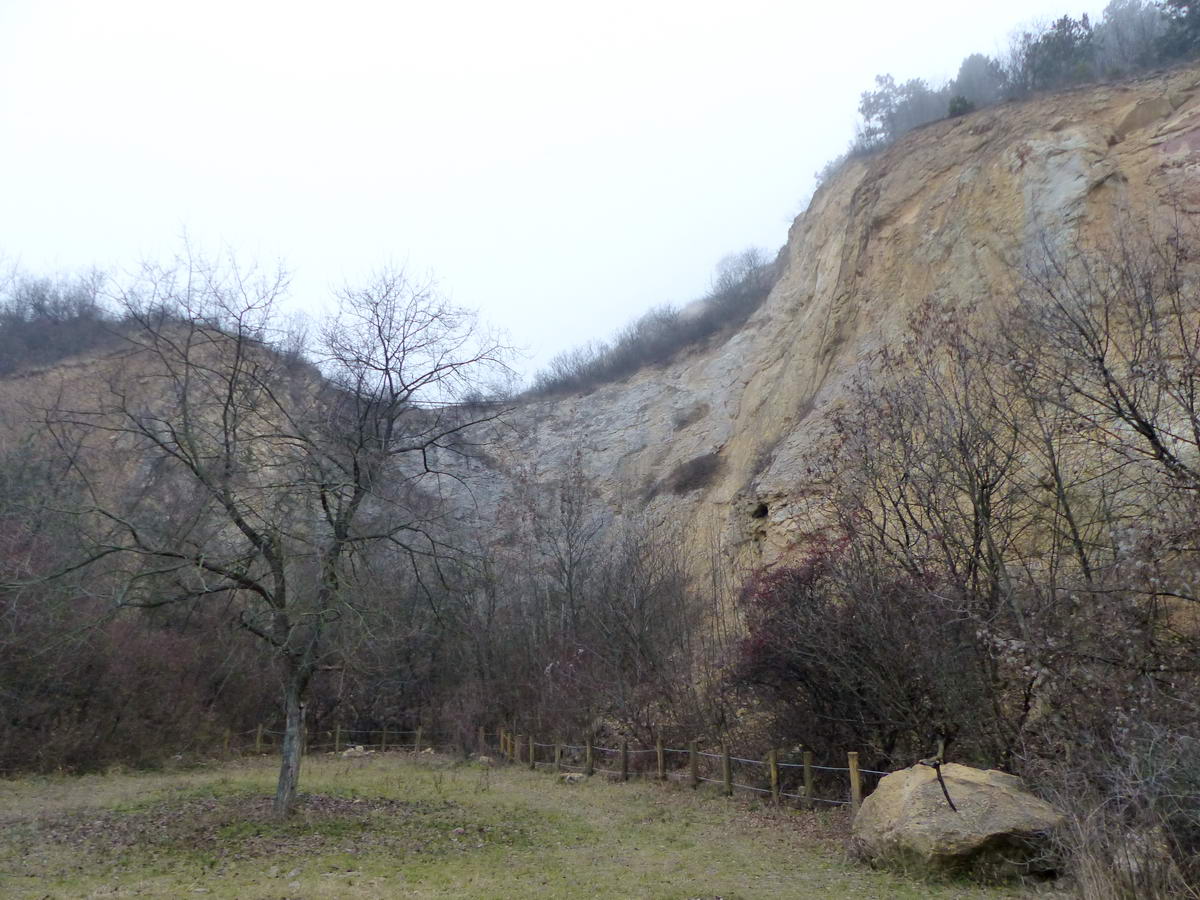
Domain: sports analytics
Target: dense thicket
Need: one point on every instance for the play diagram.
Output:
(215, 500)
(1014, 562)
(44, 320)
(567, 620)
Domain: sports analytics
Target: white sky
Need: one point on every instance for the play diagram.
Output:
(561, 167)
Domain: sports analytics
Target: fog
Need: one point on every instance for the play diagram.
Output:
(560, 168)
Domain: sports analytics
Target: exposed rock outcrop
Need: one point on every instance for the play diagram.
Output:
(716, 443)
(953, 212)
(998, 829)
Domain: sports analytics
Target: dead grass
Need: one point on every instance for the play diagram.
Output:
(398, 826)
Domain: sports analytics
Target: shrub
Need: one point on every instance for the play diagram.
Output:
(847, 654)
(960, 106)
(1131, 36)
(1132, 800)
(694, 474)
(742, 283)
(43, 321)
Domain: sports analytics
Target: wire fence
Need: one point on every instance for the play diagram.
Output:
(782, 776)
(338, 739)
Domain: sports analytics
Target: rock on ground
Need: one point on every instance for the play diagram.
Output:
(1000, 829)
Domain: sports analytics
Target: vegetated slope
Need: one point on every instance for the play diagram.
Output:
(716, 440)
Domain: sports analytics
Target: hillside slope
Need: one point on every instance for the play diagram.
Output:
(715, 441)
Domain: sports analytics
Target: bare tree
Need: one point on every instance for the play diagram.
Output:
(261, 477)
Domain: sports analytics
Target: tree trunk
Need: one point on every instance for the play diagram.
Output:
(295, 688)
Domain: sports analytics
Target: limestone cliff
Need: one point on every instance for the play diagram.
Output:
(716, 439)
(714, 443)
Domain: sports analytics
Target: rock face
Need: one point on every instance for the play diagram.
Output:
(715, 444)
(999, 830)
(951, 212)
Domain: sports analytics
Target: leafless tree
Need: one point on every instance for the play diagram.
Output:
(1023, 491)
(259, 477)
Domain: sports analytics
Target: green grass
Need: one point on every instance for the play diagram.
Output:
(399, 826)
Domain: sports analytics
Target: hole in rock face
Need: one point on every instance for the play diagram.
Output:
(760, 511)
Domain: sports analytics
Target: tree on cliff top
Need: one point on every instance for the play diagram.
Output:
(1182, 37)
(261, 479)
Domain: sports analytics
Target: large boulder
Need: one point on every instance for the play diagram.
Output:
(999, 829)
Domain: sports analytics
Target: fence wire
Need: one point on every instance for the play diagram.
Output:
(671, 771)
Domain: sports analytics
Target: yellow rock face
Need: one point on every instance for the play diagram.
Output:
(953, 212)
(714, 445)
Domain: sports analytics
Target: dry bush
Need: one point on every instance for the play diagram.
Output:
(844, 653)
(1016, 559)
(44, 320)
(694, 474)
(742, 283)
(1132, 799)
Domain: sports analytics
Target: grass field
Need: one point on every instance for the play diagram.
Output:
(400, 825)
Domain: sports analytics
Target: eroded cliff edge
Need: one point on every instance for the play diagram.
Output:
(715, 442)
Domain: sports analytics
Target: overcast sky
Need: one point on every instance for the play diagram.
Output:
(561, 167)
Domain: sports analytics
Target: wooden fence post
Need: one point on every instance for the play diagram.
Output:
(258, 739)
(808, 779)
(773, 764)
(227, 739)
(337, 738)
(855, 781)
(517, 748)
(589, 767)
(532, 754)
(624, 760)
(417, 740)
(383, 740)
(694, 762)
(482, 740)
(558, 756)
(727, 770)
(661, 758)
